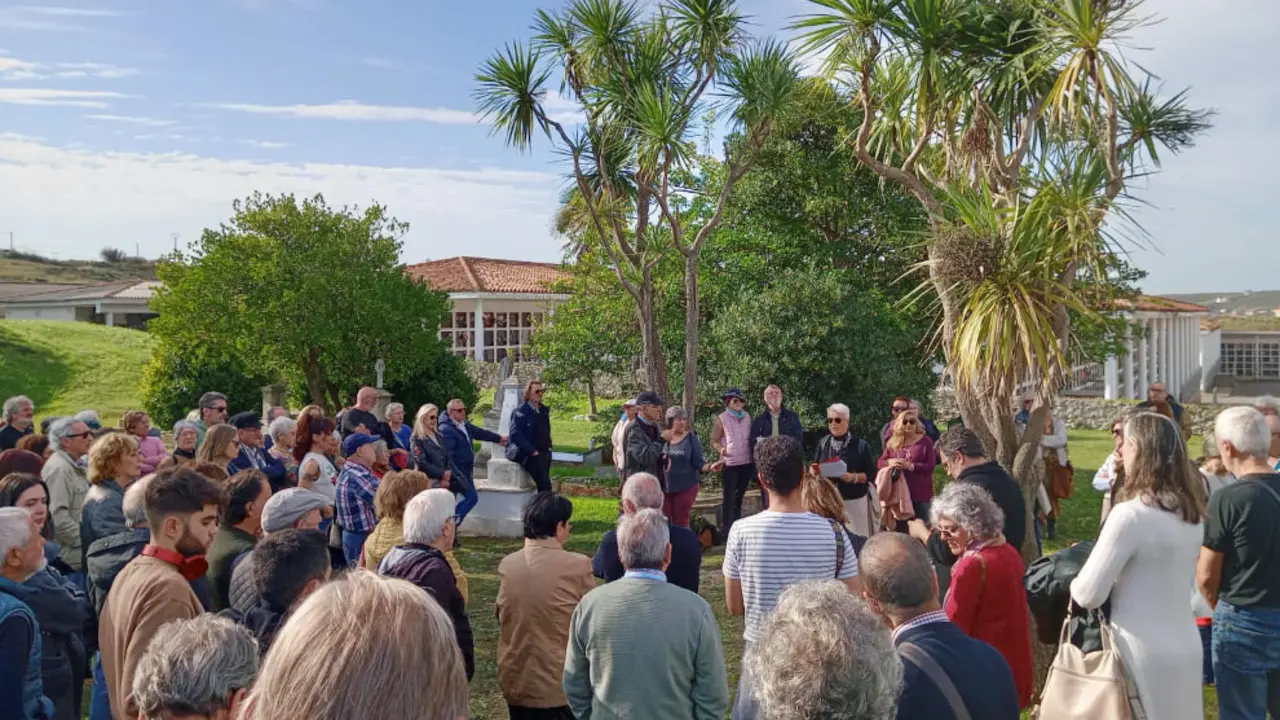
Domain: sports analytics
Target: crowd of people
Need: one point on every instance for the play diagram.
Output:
(310, 571)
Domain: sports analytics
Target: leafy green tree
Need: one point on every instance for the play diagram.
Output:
(1016, 126)
(643, 85)
(303, 292)
(823, 337)
(176, 376)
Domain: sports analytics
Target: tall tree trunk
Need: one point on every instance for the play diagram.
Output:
(591, 397)
(314, 378)
(335, 397)
(691, 322)
(655, 365)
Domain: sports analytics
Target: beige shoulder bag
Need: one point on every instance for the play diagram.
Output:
(1091, 686)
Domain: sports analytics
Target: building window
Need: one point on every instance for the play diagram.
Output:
(1269, 360)
(1239, 359)
(458, 332)
(505, 334)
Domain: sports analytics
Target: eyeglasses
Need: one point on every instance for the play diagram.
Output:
(908, 422)
(85, 434)
(834, 421)
(900, 408)
(457, 410)
(222, 408)
(538, 392)
(944, 531)
(1117, 432)
(431, 417)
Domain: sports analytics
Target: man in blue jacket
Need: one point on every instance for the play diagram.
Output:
(942, 667)
(252, 455)
(21, 556)
(530, 439)
(457, 435)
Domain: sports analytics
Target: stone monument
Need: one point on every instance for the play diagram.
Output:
(384, 397)
(506, 487)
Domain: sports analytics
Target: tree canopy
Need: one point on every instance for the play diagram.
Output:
(305, 293)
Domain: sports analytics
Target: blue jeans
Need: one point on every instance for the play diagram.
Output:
(1206, 642)
(99, 703)
(1246, 661)
(352, 544)
(469, 499)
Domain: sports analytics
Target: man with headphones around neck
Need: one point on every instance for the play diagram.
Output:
(154, 588)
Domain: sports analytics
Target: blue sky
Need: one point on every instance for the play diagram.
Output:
(125, 121)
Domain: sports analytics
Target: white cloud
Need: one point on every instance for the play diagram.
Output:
(132, 120)
(13, 69)
(56, 11)
(70, 201)
(265, 144)
(45, 96)
(355, 110)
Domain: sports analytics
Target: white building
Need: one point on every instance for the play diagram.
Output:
(496, 304)
(1169, 347)
(123, 303)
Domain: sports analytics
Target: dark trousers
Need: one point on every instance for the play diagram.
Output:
(524, 713)
(539, 467)
(735, 480)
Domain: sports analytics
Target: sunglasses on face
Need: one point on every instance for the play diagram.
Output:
(1117, 432)
(908, 422)
(457, 410)
(538, 392)
(899, 408)
(85, 434)
(431, 417)
(219, 409)
(834, 421)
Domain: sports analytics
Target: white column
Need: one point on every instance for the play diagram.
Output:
(1127, 392)
(1177, 358)
(1166, 350)
(1110, 378)
(1157, 337)
(1144, 365)
(111, 319)
(478, 321)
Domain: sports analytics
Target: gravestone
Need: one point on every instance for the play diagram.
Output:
(506, 487)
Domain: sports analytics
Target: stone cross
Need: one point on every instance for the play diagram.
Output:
(379, 367)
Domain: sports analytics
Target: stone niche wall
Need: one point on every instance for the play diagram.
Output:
(1089, 413)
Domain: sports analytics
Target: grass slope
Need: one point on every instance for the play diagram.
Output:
(593, 516)
(23, 267)
(65, 367)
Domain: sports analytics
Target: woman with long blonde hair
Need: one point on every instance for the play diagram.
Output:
(910, 452)
(1145, 562)
(427, 446)
(219, 446)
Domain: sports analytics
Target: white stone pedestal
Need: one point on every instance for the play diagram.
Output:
(500, 512)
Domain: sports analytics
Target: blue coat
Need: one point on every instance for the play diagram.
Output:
(275, 470)
(530, 430)
(458, 445)
(977, 670)
(21, 686)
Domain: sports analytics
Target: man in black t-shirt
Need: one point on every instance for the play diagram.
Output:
(1238, 572)
(359, 418)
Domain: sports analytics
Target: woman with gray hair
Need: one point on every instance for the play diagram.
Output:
(846, 460)
(824, 655)
(281, 432)
(330, 662)
(985, 598)
(198, 667)
(184, 445)
(682, 457)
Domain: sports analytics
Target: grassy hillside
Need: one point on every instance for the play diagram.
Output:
(22, 267)
(65, 367)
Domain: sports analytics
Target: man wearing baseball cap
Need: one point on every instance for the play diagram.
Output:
(248, 427)
(356, 487)
(645, 440)
(291, 508)
(619, 436)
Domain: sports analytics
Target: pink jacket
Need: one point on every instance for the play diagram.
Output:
(894, 496)
(151, 452)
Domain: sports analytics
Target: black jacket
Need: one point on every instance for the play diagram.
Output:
(644, 446)
(427, 568)
(990, 476)
(788, 424)
(1048, 585)
(263, 619)
(686, 559)
(530, 431)
(857, 456)
(62, 612)
(431, 457)
(355, 417)
(272, 467)
(978, 671)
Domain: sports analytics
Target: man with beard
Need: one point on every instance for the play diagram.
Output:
(1159, 401)
(153, 589)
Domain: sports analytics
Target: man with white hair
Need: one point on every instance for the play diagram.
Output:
(21, 556)
(640, 493)
(1238, 572)
(17, 414)
(429, 529)
(823, 649)
(201, 667)
(651, 619)
(619, 436)
(68, 486)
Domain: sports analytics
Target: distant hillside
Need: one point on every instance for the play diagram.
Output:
(1235, 303)
(26, 267)
(66, 367)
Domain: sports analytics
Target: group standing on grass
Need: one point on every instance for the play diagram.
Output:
(311, 572)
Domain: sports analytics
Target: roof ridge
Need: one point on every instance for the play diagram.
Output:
(466, 268)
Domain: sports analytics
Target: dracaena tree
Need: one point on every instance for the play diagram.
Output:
(646, 85)
(1016, 124)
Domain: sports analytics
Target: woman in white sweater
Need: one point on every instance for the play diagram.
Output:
(1145, 561)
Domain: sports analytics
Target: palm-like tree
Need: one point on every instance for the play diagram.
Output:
(1016, 125)
(644, 85)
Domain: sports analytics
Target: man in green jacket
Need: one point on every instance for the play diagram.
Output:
(618, 629)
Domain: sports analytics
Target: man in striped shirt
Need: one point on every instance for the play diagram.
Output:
(778, 547)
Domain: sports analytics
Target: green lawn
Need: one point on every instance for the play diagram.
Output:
(592, 517)
(66, 367)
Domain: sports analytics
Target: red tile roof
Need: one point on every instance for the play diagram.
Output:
(471, 274)
(1153, 303)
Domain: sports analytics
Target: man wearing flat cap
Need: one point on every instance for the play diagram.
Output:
(289, 509)
(248, 427)
(645, 439)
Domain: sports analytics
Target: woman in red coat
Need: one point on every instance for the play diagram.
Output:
(985, 598)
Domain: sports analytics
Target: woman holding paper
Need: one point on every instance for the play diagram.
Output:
(848, 462)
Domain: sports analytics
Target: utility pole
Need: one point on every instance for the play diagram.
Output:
(10, 241)
(175, 242)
